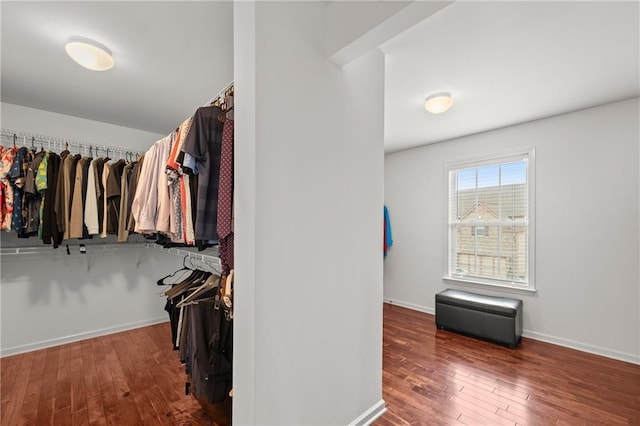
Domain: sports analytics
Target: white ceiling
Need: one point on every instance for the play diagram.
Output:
(504, 62)
(508, 63)
(171, 57)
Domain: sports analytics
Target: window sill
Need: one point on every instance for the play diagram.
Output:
(482, 284)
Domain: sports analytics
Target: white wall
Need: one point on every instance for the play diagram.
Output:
(587, 224)
(51, 298)
(309, 181)
(31, 120)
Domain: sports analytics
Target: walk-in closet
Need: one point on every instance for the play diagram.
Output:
(84, 205)
(117, 220)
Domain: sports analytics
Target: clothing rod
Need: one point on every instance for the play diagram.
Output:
(227, 87)
(26, 138)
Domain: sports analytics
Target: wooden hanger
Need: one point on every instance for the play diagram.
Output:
(212, 282)
(222, 117)
(183, 285)
(227, 288)
(196, 279)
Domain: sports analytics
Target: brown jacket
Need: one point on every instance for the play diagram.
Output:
(77, 206)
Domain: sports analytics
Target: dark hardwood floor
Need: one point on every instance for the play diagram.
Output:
(128, 378)
(434, 377)
(430, 377)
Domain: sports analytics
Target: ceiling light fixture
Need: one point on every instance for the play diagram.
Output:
(438, 103)
(89, 53)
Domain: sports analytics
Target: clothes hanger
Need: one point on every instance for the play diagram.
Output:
(196, 279)
(184, 268)
(66, 147)
(184, 284)
(212, 282)
(226, 293)
(222, 117)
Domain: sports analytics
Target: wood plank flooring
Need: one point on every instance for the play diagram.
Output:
(430, 377)
(435, 377)
(128, 378)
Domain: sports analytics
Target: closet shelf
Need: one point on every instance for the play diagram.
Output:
(213, 259)
(220, 93)
(74, 249)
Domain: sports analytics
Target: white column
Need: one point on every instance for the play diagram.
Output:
(309, 197)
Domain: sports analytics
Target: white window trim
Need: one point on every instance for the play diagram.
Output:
(477, 282)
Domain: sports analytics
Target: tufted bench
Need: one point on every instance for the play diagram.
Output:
(497, 319)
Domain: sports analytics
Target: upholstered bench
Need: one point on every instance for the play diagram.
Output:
(496, 319)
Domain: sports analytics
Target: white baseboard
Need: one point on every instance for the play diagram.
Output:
(411, 306)
(371, 415)
(77, 337)
(567, 343)
(572, 344)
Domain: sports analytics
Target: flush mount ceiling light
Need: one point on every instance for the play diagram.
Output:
(89, 53)
(438, 103)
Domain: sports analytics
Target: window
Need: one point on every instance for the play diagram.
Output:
(479, 231)
(490, 238)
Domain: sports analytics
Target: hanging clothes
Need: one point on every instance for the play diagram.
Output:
(225, 199)
(113, 195)
(41, 186)
(51, 232)
(32, 196)
(135, 178)
(91, 200)
(388, 239)
(188, 185)
(17, 175)
(204, 143)
(175, 180)
(163, 220)
(100, 192)
(125, 184)
(173, 191)
(69, 177)
(210, 350)
(151, 205)
(84, 189)
(61, 194)
(57, 197)
(8, 156)
(76, 220)
(203, 334)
